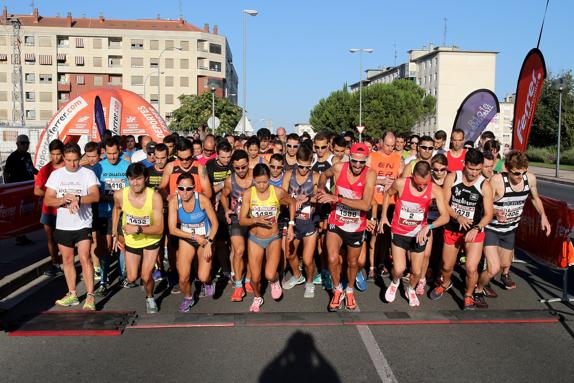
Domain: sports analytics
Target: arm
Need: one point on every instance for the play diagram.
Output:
(446, 188)
(537, 203)
(116, 212)
(333, 171)
(487, 217)
(286, 180)
(204, 180)
(395, 188)
(208, 207)
(164, 184)
(363, 204)
(401, 167)
(172, 221)
(287, 200)
(438, 195)
(51, 199)
(224, 200)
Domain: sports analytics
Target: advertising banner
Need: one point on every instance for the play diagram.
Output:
(20, 209)
(475, 112)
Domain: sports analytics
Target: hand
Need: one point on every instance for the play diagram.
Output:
(422, 235)
(130, 229)
(74, 206)
(463, 222)
(300, 201)
(200, 239)
(290, 233)
(115, 242)
(207, 253)
(328, 198)
(371, 225)
(262, 221)
(545, 225)
(500, 216)
(388, 182)
(471, 235)
(384, 221)
(228, 215)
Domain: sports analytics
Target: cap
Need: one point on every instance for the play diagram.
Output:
(359, 148)
(150, 147)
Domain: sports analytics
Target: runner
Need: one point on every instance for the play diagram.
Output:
(301, 184)
(354, 187)
(470, 209)
(456, 154)
(493, 146)
(260, 212)
(439, 141)
(231, 200)
(425, 150)
(130, 147)
(208, 151)
(511, 190)
(409, 227)
(400, 143)
(488, 165)
(339, 147)
(48, 218)
(291, 152)
(277, 166)
(112, 175)
(90, 159)
(142, 225)
(264, 136)
(252, 148)
(192, 219)
(72, 189)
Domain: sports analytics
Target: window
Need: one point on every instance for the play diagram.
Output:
(29, 41)
(154, 45)
(153, 81)
(2, 41)
(97, 62)
(63, 97)
(184, 45)
(80, 80)
(30, 96)
(45, 41)
(45, 96)
(29, 58)
(98, 81)
(115, 80)
(137, 80)
(201, 64)
(79, 42)
(30, 114)
(97, 43)
(169, 98)
(215, 66)
(137, 62)
(114, 61)
(183, 81)
(3, 58)
(153, 62)
(63, 41)
(3, 96)
(45, 115)
(153, 98)
(202, 45)
(169, 81)
(168, 44)
(184, 63)
(215, 48)
(30, 78)
(45, 79)
(137, 44)
(169, 63)
(3, 76)
(10, 135)
(114, 42)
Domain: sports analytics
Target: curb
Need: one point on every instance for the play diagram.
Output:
(22, 277)
(554, 180)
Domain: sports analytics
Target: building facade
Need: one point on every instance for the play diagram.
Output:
(47, 61)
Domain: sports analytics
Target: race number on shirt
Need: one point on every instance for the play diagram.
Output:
(269, 212)
(64, 191)
(463, 211)
(305, 213)
(345, 214)
(194, 228)
(411, 215)
(138, 221)
(114, 184)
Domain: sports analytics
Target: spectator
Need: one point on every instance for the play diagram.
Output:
(19, 166)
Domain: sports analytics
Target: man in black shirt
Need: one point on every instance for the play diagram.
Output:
(19, 166)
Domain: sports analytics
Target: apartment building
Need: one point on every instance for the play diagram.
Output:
(47, 61)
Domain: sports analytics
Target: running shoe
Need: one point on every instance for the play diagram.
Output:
(103, 290)
(256, 305)
(151, 306)
(238, 294)
(97, 274)
(337, 301)
(350, 301)
(175, 289)
(439, 291)
(385, 272)
(186, 305)
(156, 275)
(326, 279)
(469, 303)
(462, 260)
(276, 290)
(420, 290)
(90, 303)
(411, 295)
(317, 279)
(300, 265)
(128, 285)
(372, 274)
(391, 292)
(309, 290)
(68, 300)
(479, 300)
(293, 281)
(208, 289)
(507, 282)
(248, 287)
(489, 292)
(53, 271)
(360, 282)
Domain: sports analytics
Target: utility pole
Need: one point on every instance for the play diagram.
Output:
(444, 33)
(395, 45)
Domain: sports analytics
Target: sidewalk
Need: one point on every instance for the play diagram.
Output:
(566, 177)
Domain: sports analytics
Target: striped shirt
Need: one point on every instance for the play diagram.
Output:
(512, 204)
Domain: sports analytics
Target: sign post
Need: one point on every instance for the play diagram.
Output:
(360, 129)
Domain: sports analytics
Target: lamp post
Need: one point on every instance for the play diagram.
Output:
(213, 107)
(159, 79)
(560, 85)
(361, 50)
(246, 12)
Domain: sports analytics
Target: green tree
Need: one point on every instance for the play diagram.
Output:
(396, 106)
(194, 111)
(545, 124)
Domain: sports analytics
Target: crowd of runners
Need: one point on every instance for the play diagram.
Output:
(285, 211)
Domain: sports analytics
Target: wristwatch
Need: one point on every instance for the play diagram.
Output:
(292, 223)
(477, 227)
(140, 230)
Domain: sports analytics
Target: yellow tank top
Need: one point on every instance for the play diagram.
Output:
(265, 208)
(141, 217)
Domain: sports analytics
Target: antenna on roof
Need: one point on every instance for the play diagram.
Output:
(180, 10)
(395, 45)
(32, 5)
(444, 33)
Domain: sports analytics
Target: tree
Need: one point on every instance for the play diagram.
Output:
(195, 110)
(545, 123)
(396, 106)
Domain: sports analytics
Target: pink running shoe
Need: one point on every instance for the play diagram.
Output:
(256, 305)
(276, 290)
(420, 290)
(391, 292)
(412, 297)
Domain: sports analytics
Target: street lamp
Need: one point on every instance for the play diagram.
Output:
(559, 84)
(159, 79)
(361, 50)
(213, 108)
(246, 12)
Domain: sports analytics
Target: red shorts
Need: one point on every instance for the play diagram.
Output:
(457, 239)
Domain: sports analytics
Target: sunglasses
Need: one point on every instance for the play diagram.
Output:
(414, 143)
(185, 159)
(306, 167)
(276, 167)
(360, 162)
(426, 147)
(439, 170)
(240, 167)
(186, 188)
(519, 173)
(320, 147)
(206, 151)
(23, 143)
(292, 146)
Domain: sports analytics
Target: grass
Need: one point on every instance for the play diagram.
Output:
(550, 166)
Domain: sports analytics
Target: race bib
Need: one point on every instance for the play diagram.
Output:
(304, 213)
(463, 210)
(345, 214)
(269, 212)
(236, 205)
(194, 228)
(138, 221)
(113, 184)
(512, 213)
(62, 192)
(411, 215)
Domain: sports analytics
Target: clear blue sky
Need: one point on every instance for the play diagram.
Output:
(298, 50)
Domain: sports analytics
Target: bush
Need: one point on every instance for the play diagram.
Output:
(547, 155)
(567, 157)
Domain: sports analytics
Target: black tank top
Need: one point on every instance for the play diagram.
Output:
(466, 201)
(306, 189)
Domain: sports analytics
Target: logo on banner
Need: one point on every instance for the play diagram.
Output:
(114, 119)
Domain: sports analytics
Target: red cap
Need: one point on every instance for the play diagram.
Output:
(360, 148)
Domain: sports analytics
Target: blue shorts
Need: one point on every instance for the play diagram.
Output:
(263, 242)
(48, 219)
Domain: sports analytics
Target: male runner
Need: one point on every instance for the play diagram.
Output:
(291, 152)
(276, 167)
(354, 187)
(439, 141)
(456, 155)
(425, 150)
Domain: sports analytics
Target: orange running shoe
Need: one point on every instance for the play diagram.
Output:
(337, 301)
(238, 294)
(248, 288)
(350, 300)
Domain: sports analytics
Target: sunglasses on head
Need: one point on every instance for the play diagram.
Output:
(306, 167)
(519, 173)
(436, 170)
(320, 147)
(292, 146)
(276, 167)
(361, 162)
(185, 158)
(185, 188)
(240, 167)
(423, 147)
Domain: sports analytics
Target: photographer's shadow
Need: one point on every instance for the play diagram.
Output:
(299, 361)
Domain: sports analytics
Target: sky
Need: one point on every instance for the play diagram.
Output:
(297, 51)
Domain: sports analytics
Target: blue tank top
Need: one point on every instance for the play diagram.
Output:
(277, 183)
(112, 178)
(195, 222)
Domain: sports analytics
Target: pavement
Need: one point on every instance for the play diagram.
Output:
(565, 177)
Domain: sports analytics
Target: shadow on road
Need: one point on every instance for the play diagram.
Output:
(299, 360)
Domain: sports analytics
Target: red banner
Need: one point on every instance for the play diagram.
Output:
(528, 91)
(20, 209)
(555, 250)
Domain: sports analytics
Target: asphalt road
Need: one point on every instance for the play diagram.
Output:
(558, 191)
